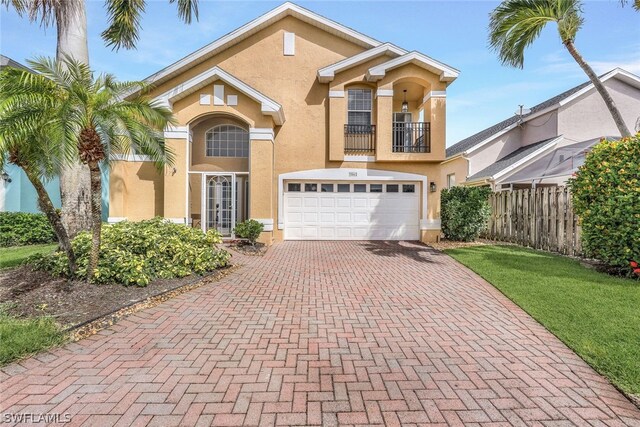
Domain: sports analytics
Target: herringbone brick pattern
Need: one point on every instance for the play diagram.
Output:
(332, 333)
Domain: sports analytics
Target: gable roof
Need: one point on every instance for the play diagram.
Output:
(5, 61)
(514, 159)
(263, 21)
(559, 162)
(327, 73)
(446, 73)
(267, 105)
(550, 104)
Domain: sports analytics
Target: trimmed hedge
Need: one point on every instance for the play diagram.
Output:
(135, 253)
(464, 212)
(20, 229)
(606, 197)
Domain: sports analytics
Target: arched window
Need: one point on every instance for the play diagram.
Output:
(227, 141)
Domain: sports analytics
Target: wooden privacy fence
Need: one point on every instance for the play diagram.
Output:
(541, 218)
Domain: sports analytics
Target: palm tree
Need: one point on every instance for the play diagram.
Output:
(92, 120)
(27, 103)
(516, 24)
(69, 17)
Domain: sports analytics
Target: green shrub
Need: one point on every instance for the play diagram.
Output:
(464, 212)
(606, 197)
(19, 229)
(135, 253)
(249, 229)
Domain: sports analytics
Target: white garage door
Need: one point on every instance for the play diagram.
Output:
(351, 211)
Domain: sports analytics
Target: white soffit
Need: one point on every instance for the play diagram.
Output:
(446, 73)
(268, 106)
(263, 21)
(328, 73)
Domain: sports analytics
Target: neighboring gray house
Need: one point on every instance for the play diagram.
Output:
(548, 143)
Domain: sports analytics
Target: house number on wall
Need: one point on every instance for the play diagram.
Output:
(353, 173)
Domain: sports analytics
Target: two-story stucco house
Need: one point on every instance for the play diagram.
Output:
(546, 144)
(314, 129)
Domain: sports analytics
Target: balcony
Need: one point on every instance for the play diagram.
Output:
(359, 138)
(411, 137)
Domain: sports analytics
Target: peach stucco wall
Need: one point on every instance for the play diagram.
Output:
(312, 135)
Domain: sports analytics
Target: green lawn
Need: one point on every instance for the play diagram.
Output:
(15, 255)
(597, 315)
(23, 337)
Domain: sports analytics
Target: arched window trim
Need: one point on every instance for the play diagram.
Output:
(244, 151)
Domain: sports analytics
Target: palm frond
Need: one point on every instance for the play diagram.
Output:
(515, 24)
(124, 23)
(187, 9)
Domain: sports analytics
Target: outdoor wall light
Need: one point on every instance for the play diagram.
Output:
(5, 177)
(405, 104)
(432, 187)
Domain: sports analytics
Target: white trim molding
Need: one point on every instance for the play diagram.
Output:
(349, 174)
(384, 92)
(327, 74)
(176, 132)
(130, 157)
(336, 94)
(430, 224)
(446, 73)
(359, 158)
(177, 220)
(542, 150)
(268, 105)
(263, 21)
(267, 222)
(434, 94)
(115, 219)
(261, 134)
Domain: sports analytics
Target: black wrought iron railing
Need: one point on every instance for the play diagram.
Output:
(359, 138)
(411, 137)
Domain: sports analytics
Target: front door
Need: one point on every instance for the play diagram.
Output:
(220, 206)
(226, 202)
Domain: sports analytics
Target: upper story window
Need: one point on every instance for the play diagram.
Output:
(359, 103)
(227, 141)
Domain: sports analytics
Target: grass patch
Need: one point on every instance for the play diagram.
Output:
(595, 314)
(24, 337)
(15, 255)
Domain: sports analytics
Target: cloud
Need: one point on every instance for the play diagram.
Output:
(561, 63)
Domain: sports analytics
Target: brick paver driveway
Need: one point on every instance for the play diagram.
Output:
(323, 333)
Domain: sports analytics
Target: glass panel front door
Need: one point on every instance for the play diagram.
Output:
(220, 206)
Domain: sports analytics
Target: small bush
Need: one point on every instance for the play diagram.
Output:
(135, 253)
(249, 229)
(19, 229)
(606, 197)
(464, 212)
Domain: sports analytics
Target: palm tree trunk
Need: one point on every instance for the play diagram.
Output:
(96, 217)
(44, 201)
(74, 177)
(611, 105)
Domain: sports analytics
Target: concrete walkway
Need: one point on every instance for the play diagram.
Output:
(347, 333)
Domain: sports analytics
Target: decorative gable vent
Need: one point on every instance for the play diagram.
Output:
(289, 44)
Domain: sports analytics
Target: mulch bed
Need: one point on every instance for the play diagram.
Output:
(246, 248)
(25, 292)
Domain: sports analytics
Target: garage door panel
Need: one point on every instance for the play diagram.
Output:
(327, 218)
(351, 216)
(343, 202)
(343, 217)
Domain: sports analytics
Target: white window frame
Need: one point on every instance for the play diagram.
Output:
(449, 176)
(206, 146)
(370, 111)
